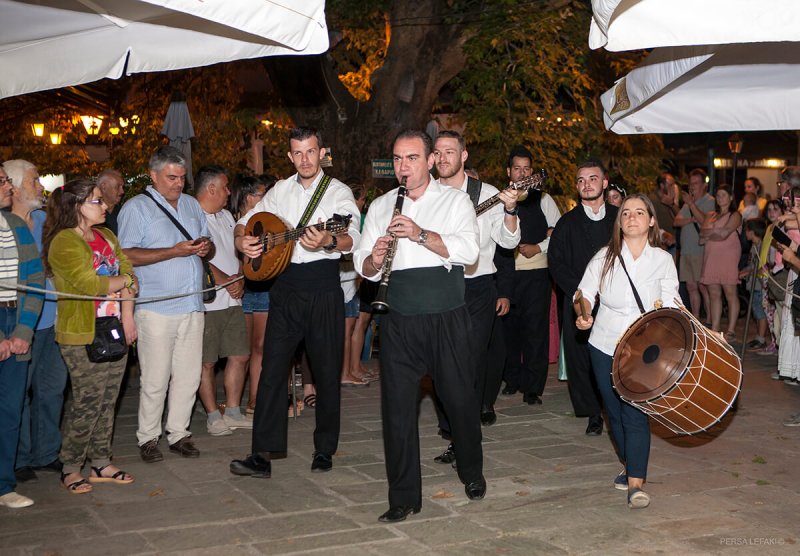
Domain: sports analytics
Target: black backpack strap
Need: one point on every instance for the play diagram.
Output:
(474, 190)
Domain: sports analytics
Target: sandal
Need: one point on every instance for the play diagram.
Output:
(81, 486)
(119, 478)
(310, 400)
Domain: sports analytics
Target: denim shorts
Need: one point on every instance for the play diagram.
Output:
(351, 308)
(255, 302)
(758, 308)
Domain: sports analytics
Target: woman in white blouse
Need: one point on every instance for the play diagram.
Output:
(635, 246)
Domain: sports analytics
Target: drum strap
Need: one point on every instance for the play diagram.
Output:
(635, 293)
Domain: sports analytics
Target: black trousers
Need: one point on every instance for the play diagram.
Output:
(583, 391)
(496, 358)
(411, 347)
(480, 297)
(527, 332)
(317, 317)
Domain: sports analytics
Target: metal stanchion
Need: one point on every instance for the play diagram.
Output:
(751, 286)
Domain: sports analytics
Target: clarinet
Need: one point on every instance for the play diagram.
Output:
(380, 305)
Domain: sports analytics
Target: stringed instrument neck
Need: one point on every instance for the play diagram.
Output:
(533, 182)
(296, 233)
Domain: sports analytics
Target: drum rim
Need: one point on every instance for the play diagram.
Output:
(688, 327)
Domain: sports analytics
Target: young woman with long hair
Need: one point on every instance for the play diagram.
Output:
(87, 260)
(635, 246)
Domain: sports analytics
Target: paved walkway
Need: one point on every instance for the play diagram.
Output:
(732, 491)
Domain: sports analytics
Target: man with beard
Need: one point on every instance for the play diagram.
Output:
(306, 302)
(577, 237)
(427, 329)
(527, 329)
(497, 226)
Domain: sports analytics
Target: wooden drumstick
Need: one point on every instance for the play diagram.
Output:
(580, 306)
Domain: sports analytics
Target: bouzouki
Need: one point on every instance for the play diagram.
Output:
(278, 240)
(531, 182)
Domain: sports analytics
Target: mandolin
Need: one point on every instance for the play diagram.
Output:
(531, 182)
(278, 241)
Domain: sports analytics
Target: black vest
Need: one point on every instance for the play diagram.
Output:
(532, 222)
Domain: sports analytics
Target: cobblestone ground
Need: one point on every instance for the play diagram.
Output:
(733, 490)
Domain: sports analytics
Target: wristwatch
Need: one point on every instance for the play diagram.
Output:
(423, 237)
(331, 246)
(512, 212)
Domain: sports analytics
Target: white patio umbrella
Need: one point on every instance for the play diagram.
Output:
(46, 44)
(734, 87)
(636, 24)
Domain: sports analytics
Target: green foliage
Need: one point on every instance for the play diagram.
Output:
(759, 460)
(531, 79)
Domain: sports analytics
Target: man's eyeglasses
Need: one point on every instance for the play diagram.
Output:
(4, 181)
(96, 201)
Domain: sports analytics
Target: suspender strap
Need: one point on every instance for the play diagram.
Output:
(635, 293)
(474, 190)
(174, 220)
(319, 192)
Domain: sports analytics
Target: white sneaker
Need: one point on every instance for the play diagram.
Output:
(218, 428)
(240, 422)
(14, 500)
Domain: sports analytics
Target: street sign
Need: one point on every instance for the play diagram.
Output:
(382, 168)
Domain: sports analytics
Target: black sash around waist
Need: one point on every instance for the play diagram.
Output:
(314, 276)
(417, 291)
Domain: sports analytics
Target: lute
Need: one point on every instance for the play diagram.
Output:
(534, 181)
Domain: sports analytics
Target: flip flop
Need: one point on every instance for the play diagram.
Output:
(359, 383)
(76, 487)
(118, 478)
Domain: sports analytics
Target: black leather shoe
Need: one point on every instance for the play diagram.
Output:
(595, 427)
(321, 463)
(149, 451)
(509, 390)
(252, 466)
(398, 513)
(488, 416)
(476, 490)
(25, 475)
(448, 456)
(185, 448)
(531, 399)
(54, 466)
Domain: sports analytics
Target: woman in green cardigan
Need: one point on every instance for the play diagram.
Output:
(86, 260)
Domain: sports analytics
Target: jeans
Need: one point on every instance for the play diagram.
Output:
(630, 427)
(12, 390)
(39, 434)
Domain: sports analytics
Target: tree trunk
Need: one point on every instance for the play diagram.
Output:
(418, 64)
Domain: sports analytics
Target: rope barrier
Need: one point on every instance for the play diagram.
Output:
(139, 300)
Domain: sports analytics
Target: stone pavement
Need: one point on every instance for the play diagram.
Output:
(731, 491)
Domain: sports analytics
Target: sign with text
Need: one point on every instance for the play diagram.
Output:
(382, 168)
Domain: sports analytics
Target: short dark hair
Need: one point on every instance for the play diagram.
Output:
(450, 134)
(756, 225)
(699, 172)
(593, 163)
(661, 181)
(519, 151)
(166, 155)
(301, 133)
(791, 174)
(416, 134)
(206, 175)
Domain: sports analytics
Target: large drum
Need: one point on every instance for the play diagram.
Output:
(676, 370)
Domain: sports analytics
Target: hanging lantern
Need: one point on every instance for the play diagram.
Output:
(37, 129)
(55, 138)
(92, 124)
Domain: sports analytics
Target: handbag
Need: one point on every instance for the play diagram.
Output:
(209, 285)
(109, 341)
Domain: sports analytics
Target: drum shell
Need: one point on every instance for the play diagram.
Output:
(677, 371)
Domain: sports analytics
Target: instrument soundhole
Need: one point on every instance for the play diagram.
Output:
(650, 354)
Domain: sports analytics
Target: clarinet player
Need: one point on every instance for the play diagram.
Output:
(426, 330)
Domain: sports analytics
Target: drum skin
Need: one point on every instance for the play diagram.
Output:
(677, 371)
(275, 257)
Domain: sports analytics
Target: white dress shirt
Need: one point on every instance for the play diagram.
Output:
(220, 228)
(288, 201)
(441, 209)
(595, 216)
(493, 232)
(655, 277)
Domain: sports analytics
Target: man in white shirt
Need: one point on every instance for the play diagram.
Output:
(427, 327)
(497, 226)
(305, 303)
(224, 331)
(527, 327)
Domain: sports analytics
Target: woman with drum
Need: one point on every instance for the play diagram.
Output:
(631, 275)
